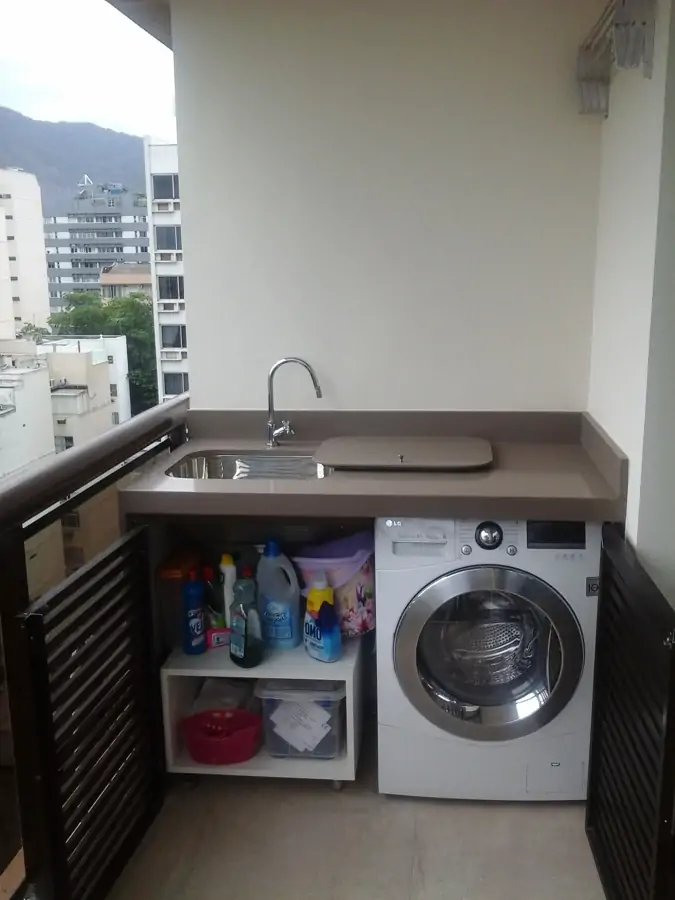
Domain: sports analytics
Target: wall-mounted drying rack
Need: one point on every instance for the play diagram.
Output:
(623, 37)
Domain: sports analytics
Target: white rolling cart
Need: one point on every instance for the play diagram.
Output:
(181, 676)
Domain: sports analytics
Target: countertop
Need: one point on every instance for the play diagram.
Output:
(528, 480)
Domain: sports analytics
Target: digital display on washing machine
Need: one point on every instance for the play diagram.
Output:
(556, 535)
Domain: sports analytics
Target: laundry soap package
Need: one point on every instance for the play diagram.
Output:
(348, 564)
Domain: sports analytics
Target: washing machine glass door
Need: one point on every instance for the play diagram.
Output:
(489, 653)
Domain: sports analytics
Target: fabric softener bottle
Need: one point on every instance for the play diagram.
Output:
(192, 596)
(323, 639)
(278, 599)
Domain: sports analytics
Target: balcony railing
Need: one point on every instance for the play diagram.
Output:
(85, 750)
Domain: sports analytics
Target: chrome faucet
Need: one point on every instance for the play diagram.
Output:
(285, 428)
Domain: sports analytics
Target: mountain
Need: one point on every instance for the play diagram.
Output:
(60, 153)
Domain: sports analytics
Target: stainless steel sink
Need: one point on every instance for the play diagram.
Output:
(271, 464)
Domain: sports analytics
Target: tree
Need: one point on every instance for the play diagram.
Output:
(32, 333)
(87, 314)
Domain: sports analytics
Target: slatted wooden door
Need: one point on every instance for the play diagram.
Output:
(98, 717)
(629, 818)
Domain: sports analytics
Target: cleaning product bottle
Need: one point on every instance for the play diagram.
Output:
(278, 599)
(217, 635)
(246, 644)
(322, 635)
(228, 576)
(192, 596)
(213, 599)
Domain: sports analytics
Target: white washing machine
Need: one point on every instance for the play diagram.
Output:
(485, 655)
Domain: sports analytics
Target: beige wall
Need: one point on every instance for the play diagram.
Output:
(99, 527)
(624, 275)
(45, 564)
(403, 193)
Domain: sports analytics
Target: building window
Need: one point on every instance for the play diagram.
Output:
(116, 418)
(51, 265)
(9, 217)
(113, 390)
(13, 277)
(10, 237)
(16, 299)
(143, 248)
(17, 318)
(111, 360)
(5, 196)
(170, 287)
(63, 442)
(71, 519)
(73, 557)
(165, 187)
(12, 258)
(112, 203)
(173, 336)
(168, 237)
(176, 382)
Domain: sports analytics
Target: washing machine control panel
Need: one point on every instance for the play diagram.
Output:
(489, 535)
(419, 530)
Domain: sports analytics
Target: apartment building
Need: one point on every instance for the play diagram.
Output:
(105, 224)
(166, 266)
(21, 209)
(111, 351)
(27, 439)
(7, 323)
(122, 279)
(85, 403)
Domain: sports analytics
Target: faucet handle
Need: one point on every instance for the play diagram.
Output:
(286, 425)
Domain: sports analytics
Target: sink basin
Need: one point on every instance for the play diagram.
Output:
(246, 465)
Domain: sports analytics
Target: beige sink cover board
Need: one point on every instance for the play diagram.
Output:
(433, 454)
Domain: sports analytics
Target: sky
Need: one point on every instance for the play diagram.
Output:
(83, 61)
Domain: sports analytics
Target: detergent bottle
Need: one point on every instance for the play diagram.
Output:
(278, 599)
(323, 639)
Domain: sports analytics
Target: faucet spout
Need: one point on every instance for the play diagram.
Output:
(272, 431)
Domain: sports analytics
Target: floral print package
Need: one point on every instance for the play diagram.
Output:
(348, 564)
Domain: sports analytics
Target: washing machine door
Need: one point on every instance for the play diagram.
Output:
(489, 653)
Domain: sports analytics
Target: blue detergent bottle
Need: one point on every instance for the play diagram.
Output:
(278, 599)
(193, 600)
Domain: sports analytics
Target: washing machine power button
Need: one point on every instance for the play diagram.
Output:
(489, 535)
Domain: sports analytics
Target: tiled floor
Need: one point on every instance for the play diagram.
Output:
(249, 839)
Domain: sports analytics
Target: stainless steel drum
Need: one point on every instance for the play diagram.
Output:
(488, 652)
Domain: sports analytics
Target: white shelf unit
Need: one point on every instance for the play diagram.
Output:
(182, 675)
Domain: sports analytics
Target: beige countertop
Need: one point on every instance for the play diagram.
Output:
(528, 480)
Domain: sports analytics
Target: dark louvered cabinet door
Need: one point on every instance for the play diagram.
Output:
(629, 819)
(99, 720)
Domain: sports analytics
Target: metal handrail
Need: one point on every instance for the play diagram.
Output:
(26, 493)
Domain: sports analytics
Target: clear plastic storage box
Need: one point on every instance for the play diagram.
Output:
(303, 719)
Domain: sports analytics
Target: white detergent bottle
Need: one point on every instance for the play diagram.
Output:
(278, 599)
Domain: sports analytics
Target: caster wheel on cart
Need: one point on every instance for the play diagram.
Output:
(337, 785)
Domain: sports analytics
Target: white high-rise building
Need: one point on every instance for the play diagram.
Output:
(166, 265)
(21, 208)
(7, 323)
